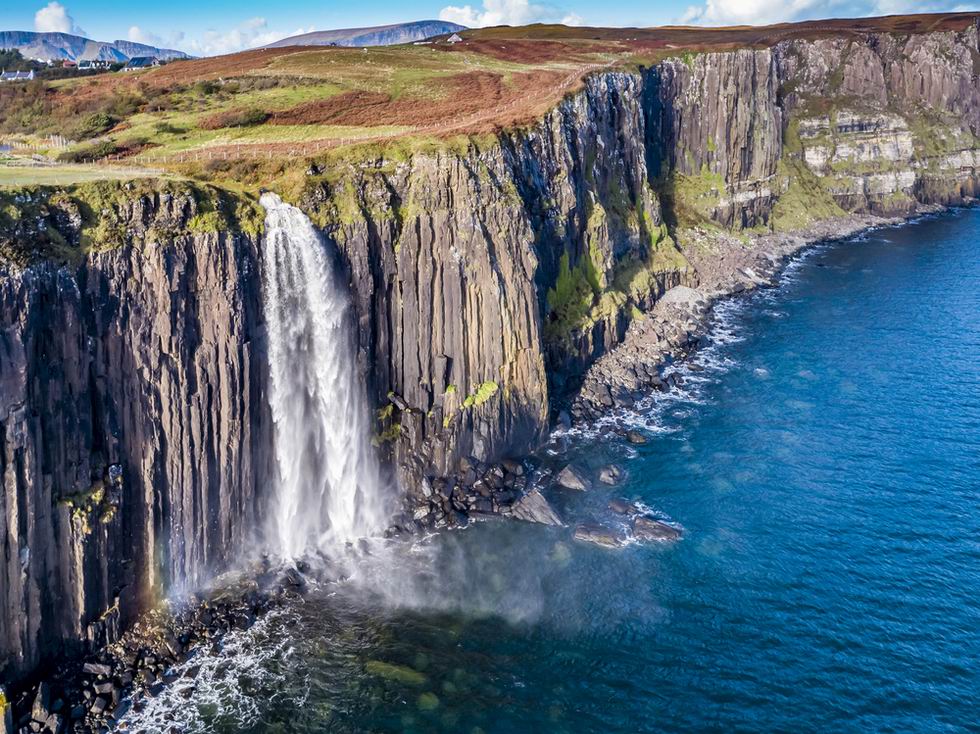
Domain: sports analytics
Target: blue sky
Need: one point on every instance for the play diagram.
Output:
(221, 26)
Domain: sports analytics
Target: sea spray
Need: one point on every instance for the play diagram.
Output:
(329, 490)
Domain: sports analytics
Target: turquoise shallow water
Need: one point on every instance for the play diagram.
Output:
(826, 470)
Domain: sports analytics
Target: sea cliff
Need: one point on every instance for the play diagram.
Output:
(487, 279)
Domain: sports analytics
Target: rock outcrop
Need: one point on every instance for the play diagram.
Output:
(133, 429)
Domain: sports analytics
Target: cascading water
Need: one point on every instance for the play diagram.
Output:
(329, 488)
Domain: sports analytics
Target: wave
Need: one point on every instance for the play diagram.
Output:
(224, 687)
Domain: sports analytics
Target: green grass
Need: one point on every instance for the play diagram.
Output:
(64, 175)
(32, 218)
(695, 198)
(395, 70)
(804, 200)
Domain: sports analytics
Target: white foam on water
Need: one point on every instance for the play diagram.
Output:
(232, 687)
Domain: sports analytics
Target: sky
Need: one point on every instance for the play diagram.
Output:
(224, 26)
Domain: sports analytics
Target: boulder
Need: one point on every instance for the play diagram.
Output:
(513, 467)
(611, 474)
(533, 507)
(635, 437)
(647, 529)
(97, 669)
(623, 507)
(573, 478)
(682, 296)
(599, 534)
(41, 709)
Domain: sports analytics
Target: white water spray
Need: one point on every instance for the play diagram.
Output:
(329, 488)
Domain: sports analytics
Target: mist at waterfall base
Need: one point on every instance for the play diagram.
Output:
(824, 465)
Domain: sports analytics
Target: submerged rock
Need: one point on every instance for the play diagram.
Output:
(635, 437)
(623, 507)
(533, 507)
(573, 478)
(560, 554)
(399, 673)
(611, 474)
(599, 535)
(648, 529)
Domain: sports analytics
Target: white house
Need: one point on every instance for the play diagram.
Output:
(141, 62)
(17, 76)
(90, 64)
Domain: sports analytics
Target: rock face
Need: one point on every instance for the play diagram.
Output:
(487, 280)
(876, 123)
(133, 431)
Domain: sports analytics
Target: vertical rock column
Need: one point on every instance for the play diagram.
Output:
(133, 435)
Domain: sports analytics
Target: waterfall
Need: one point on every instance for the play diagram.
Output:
(328, 490)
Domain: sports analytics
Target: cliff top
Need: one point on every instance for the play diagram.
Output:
(236, 117)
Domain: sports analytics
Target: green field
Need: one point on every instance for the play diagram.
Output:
(17, 176)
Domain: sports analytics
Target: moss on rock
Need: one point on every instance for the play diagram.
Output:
(804, 200)
(481, 394)
(67, 223)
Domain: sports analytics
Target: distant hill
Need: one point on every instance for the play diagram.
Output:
(66, 47)
(382, 35)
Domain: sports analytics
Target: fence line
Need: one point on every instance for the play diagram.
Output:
(58, 142)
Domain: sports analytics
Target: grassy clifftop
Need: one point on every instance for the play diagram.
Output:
(269, 104)
(64, 223)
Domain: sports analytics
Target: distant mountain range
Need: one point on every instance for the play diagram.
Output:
(66, 47)
(382, 35)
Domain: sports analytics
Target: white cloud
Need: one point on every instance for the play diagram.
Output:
(250, 34)
(760, 12)
(507, 12)
(55, 18)
(138, 35)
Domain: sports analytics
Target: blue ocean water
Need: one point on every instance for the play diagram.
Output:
(825, 467)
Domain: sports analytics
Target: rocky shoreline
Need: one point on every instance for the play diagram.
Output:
(726, 266)
(93, 693)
